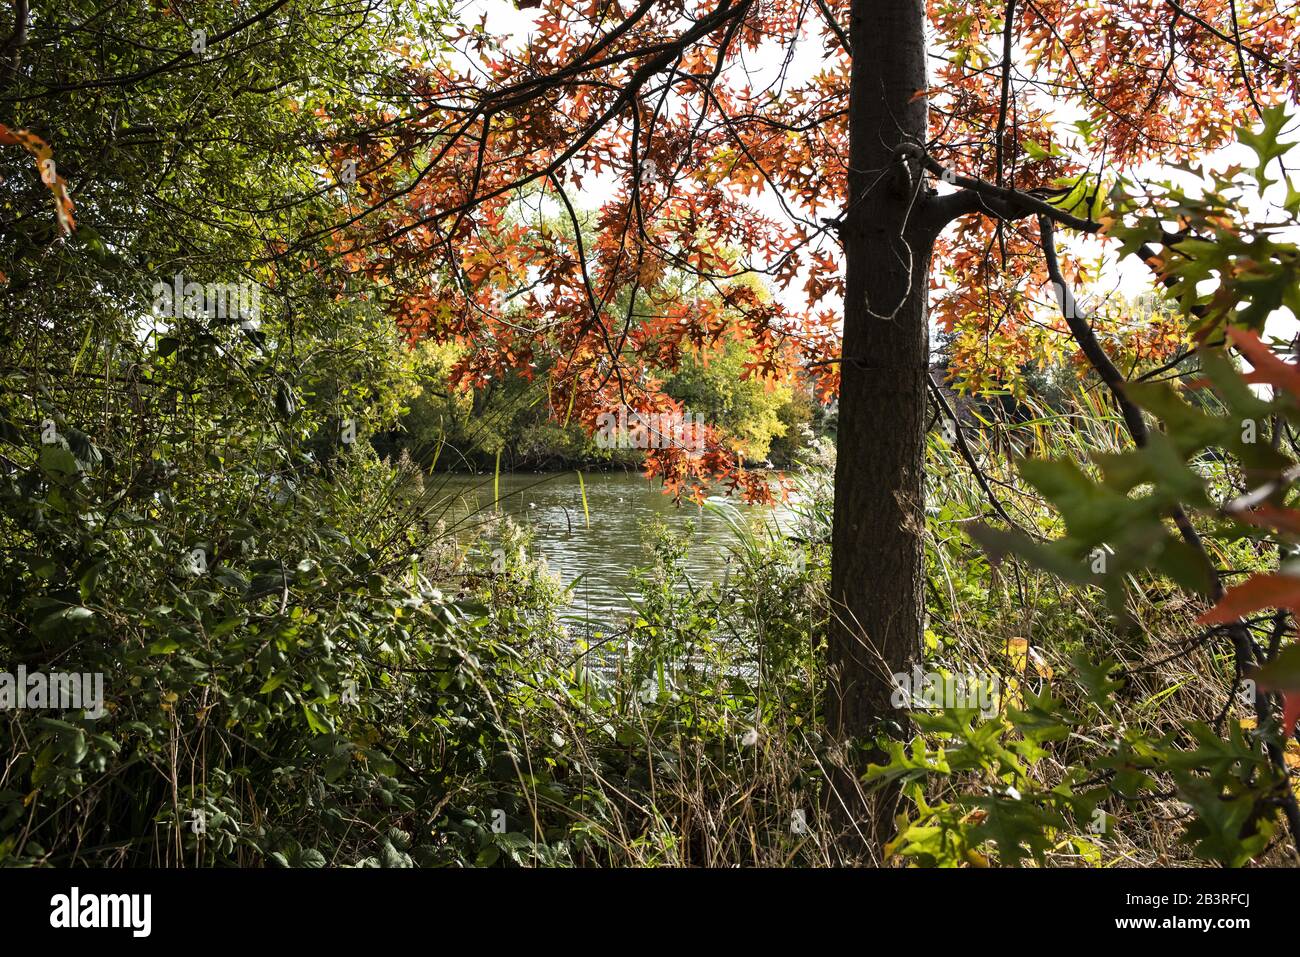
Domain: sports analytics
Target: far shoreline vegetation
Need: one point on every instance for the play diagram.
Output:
(766, 425)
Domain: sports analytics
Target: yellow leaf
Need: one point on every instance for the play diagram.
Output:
(1017, 650)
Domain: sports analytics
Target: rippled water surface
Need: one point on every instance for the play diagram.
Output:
(598, 556)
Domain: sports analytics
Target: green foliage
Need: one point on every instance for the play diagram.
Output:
(1250, 270)
(448, 429)
(182, 510)
(1125, 518)
(749, 409)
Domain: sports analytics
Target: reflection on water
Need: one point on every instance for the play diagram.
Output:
(599, 557)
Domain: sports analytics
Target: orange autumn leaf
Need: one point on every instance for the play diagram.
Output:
(1260, 591)
(1269, 516)
(44, 157)
(1290, 710)
(1268, 367)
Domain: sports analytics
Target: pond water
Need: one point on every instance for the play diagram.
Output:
(598, 557)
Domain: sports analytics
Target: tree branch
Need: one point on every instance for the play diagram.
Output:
(966, 453)
(11, 51)
(829, 16)
(981, 196)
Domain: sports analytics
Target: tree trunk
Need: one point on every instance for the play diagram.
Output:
(877, 579)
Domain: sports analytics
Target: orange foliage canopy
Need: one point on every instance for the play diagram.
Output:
(478, 206)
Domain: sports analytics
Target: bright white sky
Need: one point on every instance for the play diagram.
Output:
(1128, 277)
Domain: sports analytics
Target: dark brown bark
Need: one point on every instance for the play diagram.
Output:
(877, 579)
